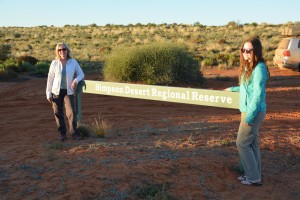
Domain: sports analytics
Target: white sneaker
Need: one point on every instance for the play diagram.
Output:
(246, 182)
(240, 178)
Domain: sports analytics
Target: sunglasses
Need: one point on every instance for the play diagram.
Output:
(64, 49)
(246, 50)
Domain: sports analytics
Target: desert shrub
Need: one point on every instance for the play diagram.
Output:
(222, 41)
(14, 65)
(2, 34)
(226, 142)
(100, 126)
(6, 75)
(17, 35)
(29, 59)
(11, 64)
(8, 69)
(232, 24)
(5, 51)
(41, 68)
(90, 66)
(222, 58)
(25, 67)
(254, 24)
(208, 62)
(85, 130)
(233, 60)
(158, 63)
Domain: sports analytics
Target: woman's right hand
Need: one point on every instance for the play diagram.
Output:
(227, 90)
(50, 100)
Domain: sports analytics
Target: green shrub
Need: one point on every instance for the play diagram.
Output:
(7, 75)
(41, 68)
(222, 58)
(15, 65)
(8, 69)
(11, 64)
(208, 62)
(29, 59)
(5, 50)
(233, 60)
(90, 66)
(25, 67)
(158, 63)
(17, 35)
(85, 130)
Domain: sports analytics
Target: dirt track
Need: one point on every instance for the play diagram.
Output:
(184, 151)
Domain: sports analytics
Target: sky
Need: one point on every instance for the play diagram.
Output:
(30, 13)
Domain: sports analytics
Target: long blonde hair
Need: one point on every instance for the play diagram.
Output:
(64, 45)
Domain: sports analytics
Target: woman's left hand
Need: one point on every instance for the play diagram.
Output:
(74, 84)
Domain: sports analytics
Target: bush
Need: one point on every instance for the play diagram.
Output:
(158, 63)
(11, 64)
(100, 127)
(208, 62)
(29, 59)
(25, 67)
(8, 69)
(5, 51)
(17, 35)
(233, 60)
(90, 66)
(41, 69)
(14, 65)
(84, 130)
(6, 75)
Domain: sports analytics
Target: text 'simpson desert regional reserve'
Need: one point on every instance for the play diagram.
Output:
(214, 98)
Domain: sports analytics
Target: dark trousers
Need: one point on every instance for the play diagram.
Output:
(61, 101)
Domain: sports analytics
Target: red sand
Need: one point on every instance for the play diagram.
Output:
(187, 151)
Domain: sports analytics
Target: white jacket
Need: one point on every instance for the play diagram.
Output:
(54, 76)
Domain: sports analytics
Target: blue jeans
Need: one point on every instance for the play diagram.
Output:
(248, 147)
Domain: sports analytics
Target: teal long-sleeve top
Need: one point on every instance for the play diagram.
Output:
(253, 92)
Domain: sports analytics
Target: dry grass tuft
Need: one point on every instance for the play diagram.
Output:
(100, 126)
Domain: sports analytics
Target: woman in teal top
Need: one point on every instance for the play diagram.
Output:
(252, 88)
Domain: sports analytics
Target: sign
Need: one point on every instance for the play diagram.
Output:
(195, 96)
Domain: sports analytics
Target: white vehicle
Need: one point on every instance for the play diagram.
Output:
(287, 55)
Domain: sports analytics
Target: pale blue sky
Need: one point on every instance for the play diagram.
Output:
(28, 13)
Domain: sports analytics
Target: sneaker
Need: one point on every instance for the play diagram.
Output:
(246, 182)
(76, 136)
(240, 178)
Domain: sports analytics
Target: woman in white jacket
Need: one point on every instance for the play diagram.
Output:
(63, 77)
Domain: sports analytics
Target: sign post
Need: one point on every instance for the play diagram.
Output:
(79, 89)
